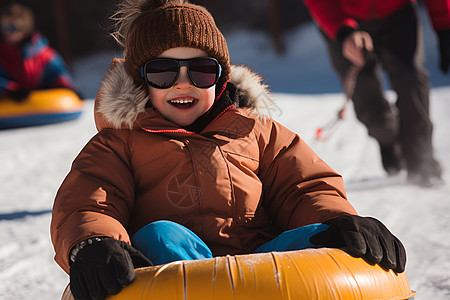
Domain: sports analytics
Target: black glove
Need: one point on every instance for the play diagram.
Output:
(444, 47)
(20, 95)
(104, 268)
(364, 237)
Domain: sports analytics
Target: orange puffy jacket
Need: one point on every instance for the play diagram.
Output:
(238, 183)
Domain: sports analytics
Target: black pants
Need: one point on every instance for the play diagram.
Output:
(399, 50)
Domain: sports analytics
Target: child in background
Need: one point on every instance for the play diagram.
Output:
(27, 62)
(187, 164)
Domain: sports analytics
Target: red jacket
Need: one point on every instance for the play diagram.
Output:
(333, 15)
(32, 65)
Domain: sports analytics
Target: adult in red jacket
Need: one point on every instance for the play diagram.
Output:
(379, 33)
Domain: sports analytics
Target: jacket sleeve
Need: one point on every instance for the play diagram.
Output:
(299, 188)
(6, 84)
(96, 197)
(329, 16)
(55, 72)
(439, 11)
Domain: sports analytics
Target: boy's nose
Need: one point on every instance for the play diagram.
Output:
(183, 78)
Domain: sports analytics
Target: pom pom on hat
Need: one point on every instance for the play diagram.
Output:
(156, 3)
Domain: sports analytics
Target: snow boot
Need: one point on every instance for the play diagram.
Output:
(391, 158)
(426, 174)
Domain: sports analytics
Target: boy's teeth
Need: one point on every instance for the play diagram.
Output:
(181, 101)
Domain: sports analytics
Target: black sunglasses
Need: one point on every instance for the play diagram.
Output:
(162, 73)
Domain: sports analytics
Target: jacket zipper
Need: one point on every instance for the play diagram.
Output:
(197, 183)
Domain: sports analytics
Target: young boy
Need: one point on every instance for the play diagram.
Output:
(188, 165)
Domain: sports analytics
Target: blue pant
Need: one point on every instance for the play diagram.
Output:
(165, 241)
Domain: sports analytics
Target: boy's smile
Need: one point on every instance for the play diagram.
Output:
(183, 103)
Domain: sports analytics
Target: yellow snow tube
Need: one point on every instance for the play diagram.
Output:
(305, 274)
(40, 107)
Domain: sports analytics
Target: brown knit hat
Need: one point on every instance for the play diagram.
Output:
(159, 25)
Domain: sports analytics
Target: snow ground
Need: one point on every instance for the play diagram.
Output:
(35, 160)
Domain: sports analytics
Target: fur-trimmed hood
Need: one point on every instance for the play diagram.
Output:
(120, 101)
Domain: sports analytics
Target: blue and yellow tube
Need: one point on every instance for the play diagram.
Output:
(40, 107)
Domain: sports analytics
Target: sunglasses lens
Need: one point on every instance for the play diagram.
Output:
(204, 72)
(161, 73)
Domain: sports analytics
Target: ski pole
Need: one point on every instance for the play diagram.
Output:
(323, 133)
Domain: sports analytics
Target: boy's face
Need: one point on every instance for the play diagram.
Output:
(12, 30)
(183, 103)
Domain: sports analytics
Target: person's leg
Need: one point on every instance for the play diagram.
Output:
(165, 241)
(402, 56)
(295, 239)
(371, 107)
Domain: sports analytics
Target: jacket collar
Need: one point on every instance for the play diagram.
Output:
(122, 104)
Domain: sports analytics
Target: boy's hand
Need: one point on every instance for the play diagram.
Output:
(444, 49)
(364, 237)
(20, 95)
(104, 268)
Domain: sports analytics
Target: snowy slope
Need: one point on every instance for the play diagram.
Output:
(34, 161)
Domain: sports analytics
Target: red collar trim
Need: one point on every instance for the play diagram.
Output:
(168, 131)
(184, 131)
(224, 111)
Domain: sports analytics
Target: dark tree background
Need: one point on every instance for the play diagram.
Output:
(80, 27)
